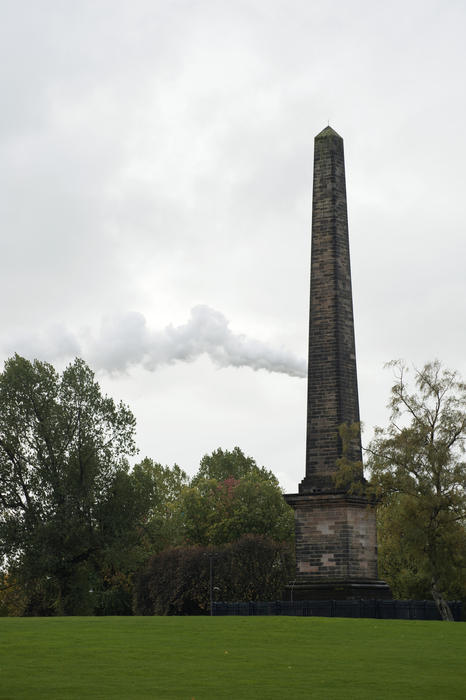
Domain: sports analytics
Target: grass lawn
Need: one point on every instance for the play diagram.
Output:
(230, 657)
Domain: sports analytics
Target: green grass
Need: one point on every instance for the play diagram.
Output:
(237, 657)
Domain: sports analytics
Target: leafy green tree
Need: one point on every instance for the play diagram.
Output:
(231, 508)
(162, 486)
(402, 561)
(234, 464)
(215, 512)
(67, 506)
(419, 476)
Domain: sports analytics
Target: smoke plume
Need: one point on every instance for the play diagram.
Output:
(125, 341)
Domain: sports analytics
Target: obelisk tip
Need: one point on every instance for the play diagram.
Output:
(328, 132)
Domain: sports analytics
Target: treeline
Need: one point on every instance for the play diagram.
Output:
(177, 581)
(82, 533)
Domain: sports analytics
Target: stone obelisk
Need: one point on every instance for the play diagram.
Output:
(336, 544)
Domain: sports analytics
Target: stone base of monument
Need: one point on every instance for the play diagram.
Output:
(336, 548)
(337, 590)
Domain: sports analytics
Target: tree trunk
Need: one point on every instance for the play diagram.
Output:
(441, 603)
(59, 603)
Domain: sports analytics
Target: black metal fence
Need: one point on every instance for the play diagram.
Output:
(381, 609)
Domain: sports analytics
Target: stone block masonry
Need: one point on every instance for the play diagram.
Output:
(336, 544)
(332, 382)
(335, 537)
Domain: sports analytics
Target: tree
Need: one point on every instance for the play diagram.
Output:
(231, 508)
(230, 496)
(162, 486)
(234, 464)
(67, 505)
(419, 476)
(215, 512)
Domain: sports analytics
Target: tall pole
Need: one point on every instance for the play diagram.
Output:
(211, 556)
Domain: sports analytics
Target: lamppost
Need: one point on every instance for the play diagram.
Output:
(211, 556)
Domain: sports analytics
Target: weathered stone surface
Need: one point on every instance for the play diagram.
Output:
(332, 380)
(335, 537)
(336, 546)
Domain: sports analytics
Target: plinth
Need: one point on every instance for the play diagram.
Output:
(336, 548)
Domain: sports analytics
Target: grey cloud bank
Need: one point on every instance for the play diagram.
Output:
(158, 156)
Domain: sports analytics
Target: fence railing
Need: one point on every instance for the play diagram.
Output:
(381, 609)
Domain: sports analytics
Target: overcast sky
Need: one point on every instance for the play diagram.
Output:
(156, 175)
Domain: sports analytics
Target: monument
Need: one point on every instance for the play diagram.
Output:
(336, 542)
